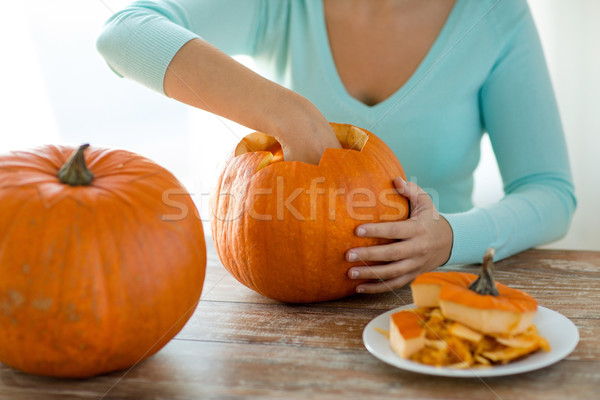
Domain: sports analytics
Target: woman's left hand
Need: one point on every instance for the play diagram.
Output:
(424, 243)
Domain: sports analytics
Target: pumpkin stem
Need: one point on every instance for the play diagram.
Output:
(485, 283)
(75, 172)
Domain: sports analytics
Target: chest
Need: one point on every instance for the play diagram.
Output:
(377, 46)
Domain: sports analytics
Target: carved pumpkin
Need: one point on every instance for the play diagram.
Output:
(97, 271)
(479, 303)
(283, 228)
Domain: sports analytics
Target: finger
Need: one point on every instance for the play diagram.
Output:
(387, 230)
(411, 191)
(386, 271)
(385, 252)
(404, 249)
(387, 285)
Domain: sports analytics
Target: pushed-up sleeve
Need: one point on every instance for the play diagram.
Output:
(520, 114)
(140, 41)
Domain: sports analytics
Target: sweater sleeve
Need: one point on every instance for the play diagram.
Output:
(140, 41)
(519, 112)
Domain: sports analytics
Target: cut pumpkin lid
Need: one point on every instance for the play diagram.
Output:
(410, 324)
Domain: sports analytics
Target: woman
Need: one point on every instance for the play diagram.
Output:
(428, 77)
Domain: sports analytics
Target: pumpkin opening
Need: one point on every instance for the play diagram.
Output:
(350, 137)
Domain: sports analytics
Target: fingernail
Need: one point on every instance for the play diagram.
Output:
(400, 181)
(361, 232)
(360, 290)
(354, 274)
(352, 256)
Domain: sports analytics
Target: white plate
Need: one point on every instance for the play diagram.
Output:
(556, 328)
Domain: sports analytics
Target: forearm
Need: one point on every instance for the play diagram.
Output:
(202, 76)
(532, 214)
(158, 44)
(520, 115)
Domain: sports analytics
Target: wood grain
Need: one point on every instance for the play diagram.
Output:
(196, 369)
(240, 345)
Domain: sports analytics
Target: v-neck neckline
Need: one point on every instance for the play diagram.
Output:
(426, 63)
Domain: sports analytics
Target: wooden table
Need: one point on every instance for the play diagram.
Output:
(241, 345)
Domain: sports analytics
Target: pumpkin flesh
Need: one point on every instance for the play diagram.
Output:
(407, 335)
(437, 340)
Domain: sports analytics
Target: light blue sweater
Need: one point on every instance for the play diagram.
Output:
(485, 73)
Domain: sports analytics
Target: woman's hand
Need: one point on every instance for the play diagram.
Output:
(424, 243)
(241, 95)
(304, 134)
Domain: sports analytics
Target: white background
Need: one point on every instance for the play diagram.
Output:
(56, 88)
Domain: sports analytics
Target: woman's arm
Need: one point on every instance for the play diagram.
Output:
(520, 114)
(202, 76)
(158, 44)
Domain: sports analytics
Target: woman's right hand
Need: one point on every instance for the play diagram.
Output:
(202, 76)
(306, 135)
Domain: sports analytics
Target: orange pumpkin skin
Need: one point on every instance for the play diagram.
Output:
(511, 312)
(93, 278)
(283, 228)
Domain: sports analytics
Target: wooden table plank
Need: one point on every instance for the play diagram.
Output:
(201, 370)
(556, 283)
(308, 326)
(241, 345)
(279, 324)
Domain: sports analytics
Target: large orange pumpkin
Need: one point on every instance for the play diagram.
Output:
(98, 269)
(282, 228)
